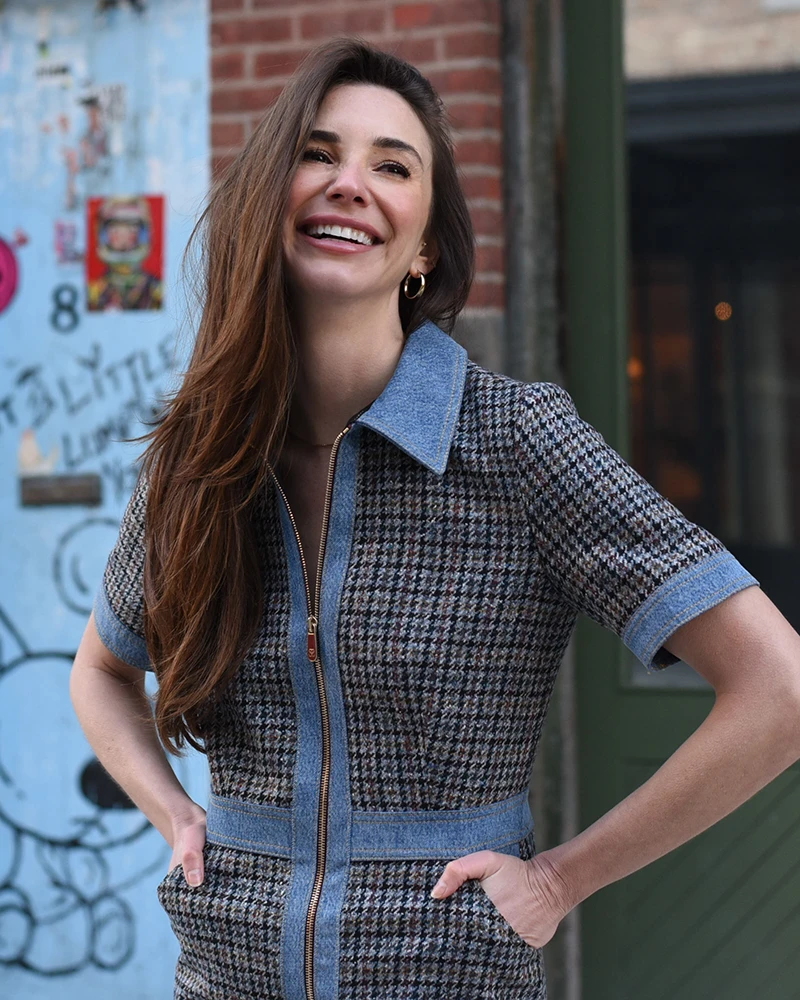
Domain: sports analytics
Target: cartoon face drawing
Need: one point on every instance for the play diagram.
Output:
(83, 805)
(71, 841)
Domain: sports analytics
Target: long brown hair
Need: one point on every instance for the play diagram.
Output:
(210, 451)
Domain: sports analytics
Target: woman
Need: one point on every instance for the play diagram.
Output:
(354, 559)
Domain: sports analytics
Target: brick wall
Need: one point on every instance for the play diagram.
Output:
(666, 38)
(256, 44)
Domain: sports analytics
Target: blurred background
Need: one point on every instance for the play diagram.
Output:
(632, 175)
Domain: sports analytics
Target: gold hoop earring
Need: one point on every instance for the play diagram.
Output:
(420, 290)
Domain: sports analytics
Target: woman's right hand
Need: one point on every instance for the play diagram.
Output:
(188, 843)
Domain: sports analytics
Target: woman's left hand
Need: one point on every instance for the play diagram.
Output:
(531, 895)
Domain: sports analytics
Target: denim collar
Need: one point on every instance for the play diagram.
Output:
(418, 409)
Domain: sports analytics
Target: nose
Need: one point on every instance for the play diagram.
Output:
(348, 185)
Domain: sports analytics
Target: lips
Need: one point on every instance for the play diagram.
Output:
(334, 245)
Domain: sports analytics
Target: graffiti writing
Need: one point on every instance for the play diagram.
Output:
(64, 317)
(39, 395)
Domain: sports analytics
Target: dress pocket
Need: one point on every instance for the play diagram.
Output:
(173, 873)
(396, 941)
(229, 926)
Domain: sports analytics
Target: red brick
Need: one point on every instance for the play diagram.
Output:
(226, 134)
(226, 5)
(227, 65)
(487, 293)
(474, 114)
(416, 15)
(281, 63)
(477, 79)
(348, 21)
(464, 44)
(487, 221)
(482, 186)
(243, 99)
(415, 50)
(487, 152)
(445, 12)
(251, 29)
(490, 259)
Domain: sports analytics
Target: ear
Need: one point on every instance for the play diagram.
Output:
(428, 256)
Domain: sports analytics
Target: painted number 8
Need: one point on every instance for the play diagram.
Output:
(64, 317)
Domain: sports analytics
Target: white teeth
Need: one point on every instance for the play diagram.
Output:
(345, 231)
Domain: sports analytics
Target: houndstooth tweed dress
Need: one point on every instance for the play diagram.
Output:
(368, 740)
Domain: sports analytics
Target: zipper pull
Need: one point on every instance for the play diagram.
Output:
(312, 638)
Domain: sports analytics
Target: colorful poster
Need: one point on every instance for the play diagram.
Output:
(125, 253)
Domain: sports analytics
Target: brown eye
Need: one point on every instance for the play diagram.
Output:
(400, 169)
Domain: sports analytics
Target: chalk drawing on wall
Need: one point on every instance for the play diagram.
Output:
(9, 268)
(100, 100)
(124, 259)
(66, 857)
(64, 317)
(87, 402)
(104, 5)
(79, 561)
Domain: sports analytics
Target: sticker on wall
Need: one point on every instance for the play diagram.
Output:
(66, 243)
(31, 461)
(9, 269)
(125, 253)
(101, 139)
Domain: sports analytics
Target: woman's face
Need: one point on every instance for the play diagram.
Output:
(369, 163)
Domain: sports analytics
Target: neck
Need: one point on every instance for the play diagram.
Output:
(347, 353)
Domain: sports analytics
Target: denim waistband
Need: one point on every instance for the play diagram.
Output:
(416, 833)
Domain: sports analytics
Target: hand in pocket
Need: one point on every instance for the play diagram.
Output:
(529, 894)
(190, 839)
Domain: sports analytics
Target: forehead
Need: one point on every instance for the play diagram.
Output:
(362, 111)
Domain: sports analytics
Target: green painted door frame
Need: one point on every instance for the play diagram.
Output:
(595, 221)
(719, 917)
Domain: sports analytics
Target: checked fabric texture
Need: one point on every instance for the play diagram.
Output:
(459, 597)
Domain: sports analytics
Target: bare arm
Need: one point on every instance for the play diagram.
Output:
(113, 709)
(750, 654)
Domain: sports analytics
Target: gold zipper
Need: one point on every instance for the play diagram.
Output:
(312, 649)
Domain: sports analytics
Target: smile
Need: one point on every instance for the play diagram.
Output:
(328, 238)
(326, 230)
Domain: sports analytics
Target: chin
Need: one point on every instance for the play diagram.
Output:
(334, 285)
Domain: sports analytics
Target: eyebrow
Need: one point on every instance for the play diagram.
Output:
(379, 142)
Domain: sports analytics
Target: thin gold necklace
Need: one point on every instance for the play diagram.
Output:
(311, 444)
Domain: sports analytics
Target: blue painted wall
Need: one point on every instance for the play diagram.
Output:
(93, 103)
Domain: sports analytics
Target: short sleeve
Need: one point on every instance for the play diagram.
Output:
(612, 545)
(119, 602)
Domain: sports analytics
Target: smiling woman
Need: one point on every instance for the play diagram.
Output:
(354, 559)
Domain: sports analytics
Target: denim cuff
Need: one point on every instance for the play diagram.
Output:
(679, 599)
(116, 636)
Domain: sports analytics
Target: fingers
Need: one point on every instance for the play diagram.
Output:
(193, 855)
(193, 866)
(479, 864)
